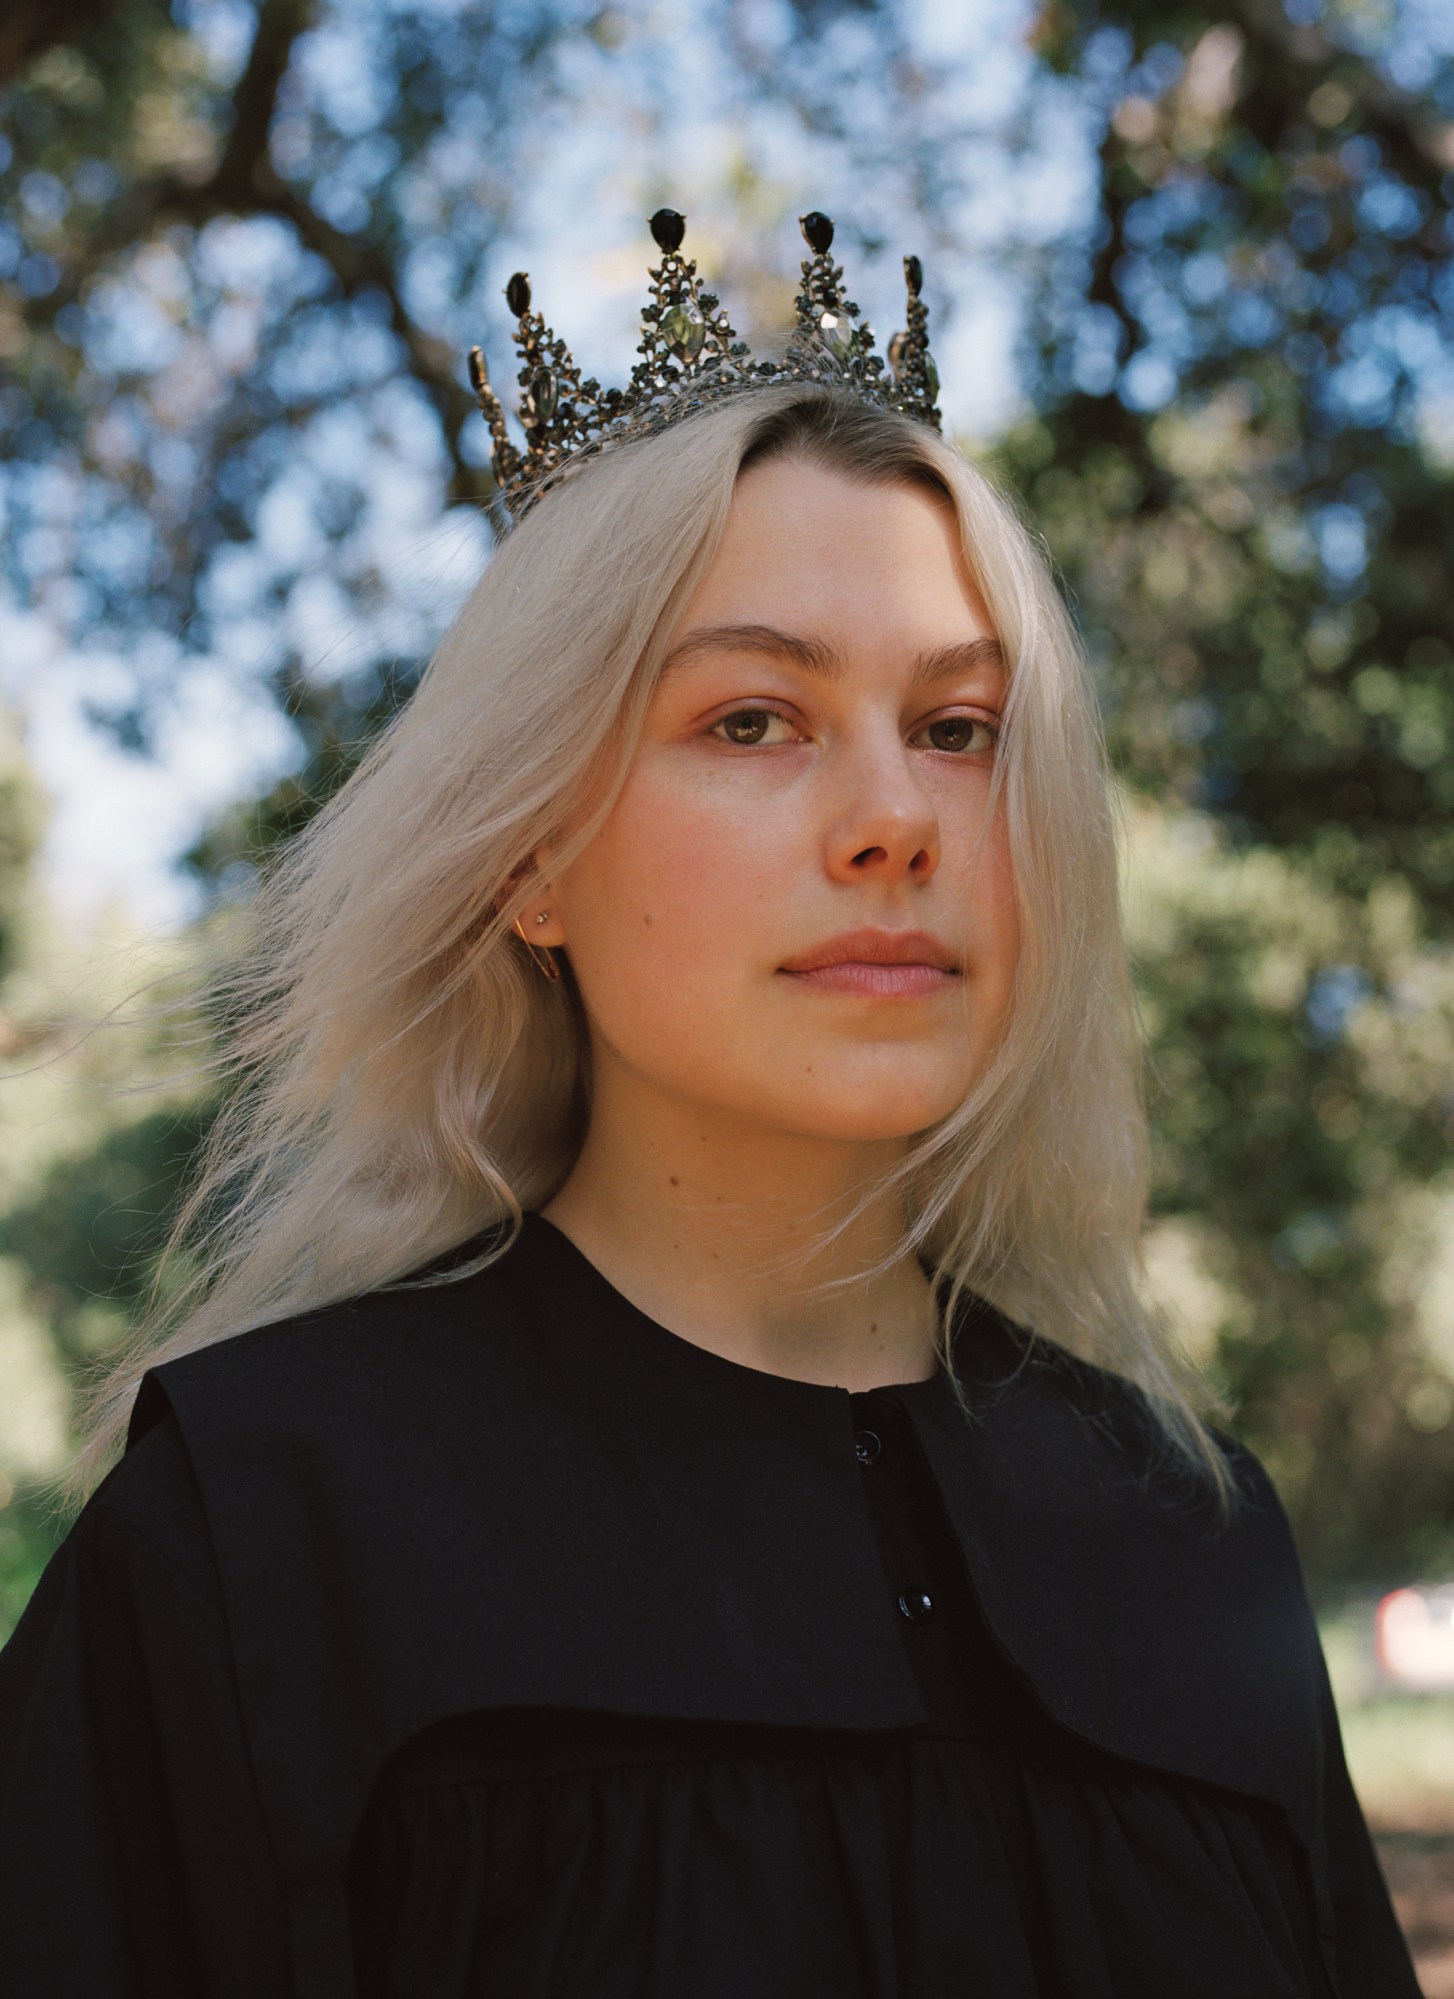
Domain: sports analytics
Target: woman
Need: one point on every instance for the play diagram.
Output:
(661, 1484)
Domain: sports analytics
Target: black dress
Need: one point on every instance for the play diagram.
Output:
(240, 1754)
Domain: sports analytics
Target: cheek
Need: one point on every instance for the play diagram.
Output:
(995, 937)
(666, 910)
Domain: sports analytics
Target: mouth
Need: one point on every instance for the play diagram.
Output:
(878, 963)
(876, 981)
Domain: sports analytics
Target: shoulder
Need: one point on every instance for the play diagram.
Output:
(1080, 1409)
(147, 1515)
(374, 1357)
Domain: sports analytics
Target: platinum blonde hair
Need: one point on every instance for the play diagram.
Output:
(404, 1078)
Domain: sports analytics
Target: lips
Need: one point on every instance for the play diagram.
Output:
(877, 947)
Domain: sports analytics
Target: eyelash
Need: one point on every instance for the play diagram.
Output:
(762, 708)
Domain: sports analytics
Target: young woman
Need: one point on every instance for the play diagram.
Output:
(662, 1486)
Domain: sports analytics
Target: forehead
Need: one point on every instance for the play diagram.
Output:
(806, 548)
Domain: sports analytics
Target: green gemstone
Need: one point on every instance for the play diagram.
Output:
(684, 329)
(544, 394)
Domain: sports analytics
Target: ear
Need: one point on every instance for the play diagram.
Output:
(534, 871)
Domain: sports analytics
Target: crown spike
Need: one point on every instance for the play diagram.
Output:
(825, 336)
(505, 458)
(910, 362)
(683, 330)
(690, 357)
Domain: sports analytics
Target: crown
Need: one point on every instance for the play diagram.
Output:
(690, 358)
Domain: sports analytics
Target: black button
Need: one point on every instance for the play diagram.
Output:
(916, 1606)
(867, 1444)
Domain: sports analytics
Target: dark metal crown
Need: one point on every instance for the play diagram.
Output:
(690, 357)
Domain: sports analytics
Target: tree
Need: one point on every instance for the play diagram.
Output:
(1237, 459)
(242, 276)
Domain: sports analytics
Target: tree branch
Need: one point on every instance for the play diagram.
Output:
(279, 24)
(359, 266)
(245, 182)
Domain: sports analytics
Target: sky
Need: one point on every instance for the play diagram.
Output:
(118, 821)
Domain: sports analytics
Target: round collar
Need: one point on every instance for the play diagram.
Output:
(553, 1258)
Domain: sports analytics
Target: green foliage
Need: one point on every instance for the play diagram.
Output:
(229, 288)
(90, 1227)
(1235, 462)
(20, 815)
(236, 275)
(1303, 1045)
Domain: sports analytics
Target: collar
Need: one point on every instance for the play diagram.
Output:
(578, 1507)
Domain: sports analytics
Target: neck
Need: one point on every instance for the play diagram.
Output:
(703, 1220)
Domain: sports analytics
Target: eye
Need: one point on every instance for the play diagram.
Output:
(753, 718)
(961, 730)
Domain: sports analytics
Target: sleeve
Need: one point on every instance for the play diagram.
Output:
(133, 1853)
(1372, 1953)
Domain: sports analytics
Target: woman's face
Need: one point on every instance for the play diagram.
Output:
(816, 760)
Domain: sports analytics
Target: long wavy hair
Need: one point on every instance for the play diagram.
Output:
(400, 1078)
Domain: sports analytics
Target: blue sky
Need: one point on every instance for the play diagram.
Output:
(741, 175)
(118, 820)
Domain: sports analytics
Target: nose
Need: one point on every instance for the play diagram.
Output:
(883, 820)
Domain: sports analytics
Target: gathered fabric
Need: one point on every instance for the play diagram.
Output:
(550, 1854)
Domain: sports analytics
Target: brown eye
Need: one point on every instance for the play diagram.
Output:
(961, 728)
(744, 726)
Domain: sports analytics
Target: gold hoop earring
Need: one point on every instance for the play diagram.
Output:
(538, 952)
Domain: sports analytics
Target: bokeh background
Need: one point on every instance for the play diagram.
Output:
(1189, 267)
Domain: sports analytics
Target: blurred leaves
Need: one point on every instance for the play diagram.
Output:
(1242, 457)
(245, 246)
(1302, 1106)
(87, 1230)
(244, 251)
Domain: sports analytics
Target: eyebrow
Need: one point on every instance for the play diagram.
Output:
(817, 657)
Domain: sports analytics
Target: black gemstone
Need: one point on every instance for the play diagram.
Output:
(913, 276)
(818, 230)
(668, 228)
(517, 294)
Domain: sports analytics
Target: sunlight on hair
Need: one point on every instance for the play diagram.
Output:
(402, 1078)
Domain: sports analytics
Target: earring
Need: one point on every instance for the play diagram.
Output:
(538, 952)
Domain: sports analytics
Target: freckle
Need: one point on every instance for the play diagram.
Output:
(673, 1179)
(647, 921)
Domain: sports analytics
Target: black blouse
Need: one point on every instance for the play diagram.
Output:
(985, 1851)
(493, 1642)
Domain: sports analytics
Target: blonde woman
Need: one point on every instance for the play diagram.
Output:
(659, 1483)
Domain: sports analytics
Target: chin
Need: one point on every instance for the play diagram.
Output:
(875, 1118)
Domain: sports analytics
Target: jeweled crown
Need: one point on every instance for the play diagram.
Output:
(690, 358)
